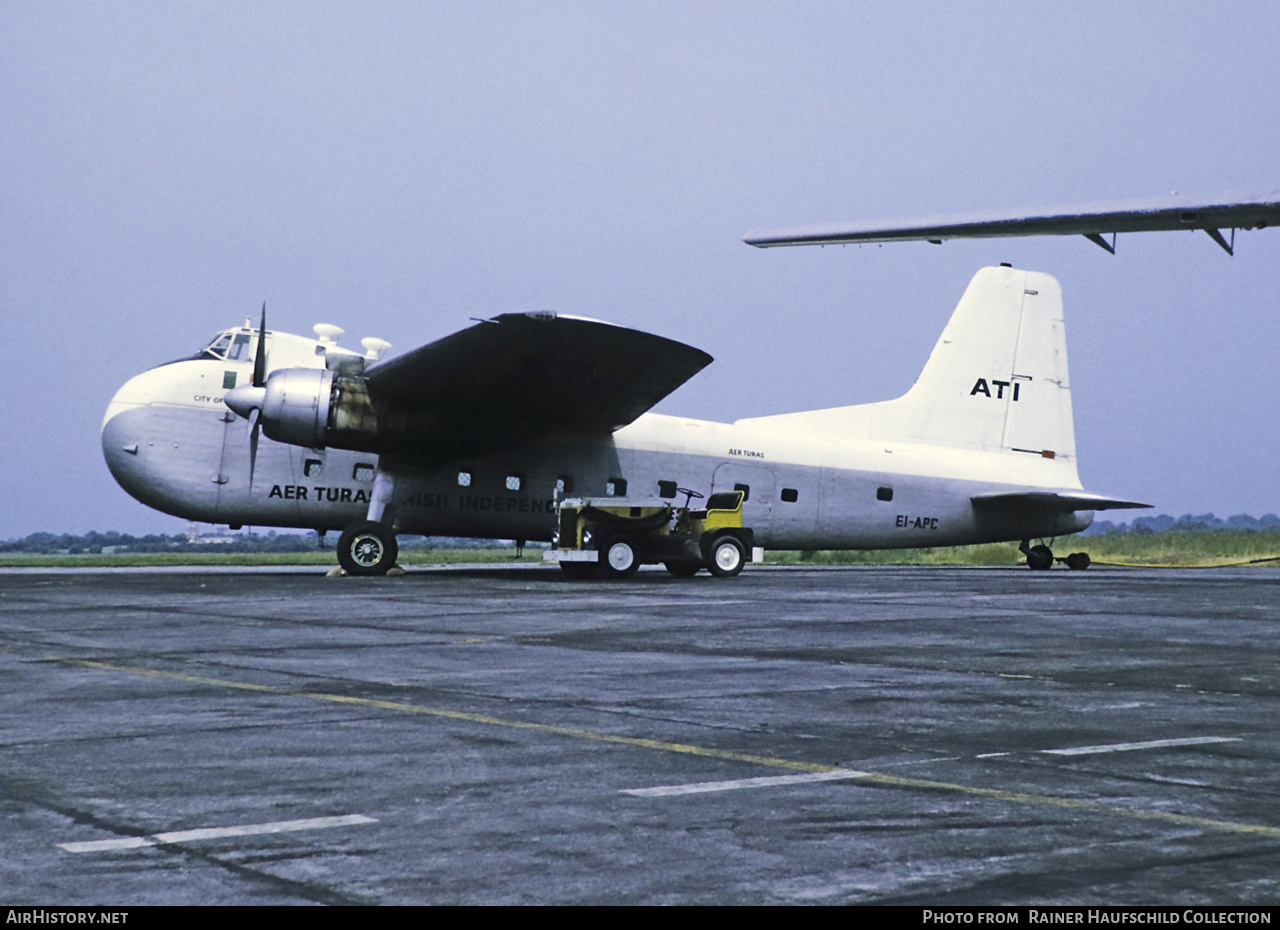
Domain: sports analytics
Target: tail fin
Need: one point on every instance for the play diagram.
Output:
(996, 380)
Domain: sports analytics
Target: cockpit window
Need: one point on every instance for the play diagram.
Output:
(231, 347)
(239, 348)
(218, 348)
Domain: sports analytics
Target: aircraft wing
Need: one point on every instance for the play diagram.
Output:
(1211, 214)
(521, 375)
(1063, 501)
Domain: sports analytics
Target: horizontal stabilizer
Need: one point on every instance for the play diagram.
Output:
(1060, 501)
(1211, 214)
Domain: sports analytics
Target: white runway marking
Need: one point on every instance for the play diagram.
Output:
(212, 833)
(767, 781)
(1149, 744)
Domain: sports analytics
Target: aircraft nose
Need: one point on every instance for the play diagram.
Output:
(120, 449)
(245, 398)
(123, 435)
(162, 440)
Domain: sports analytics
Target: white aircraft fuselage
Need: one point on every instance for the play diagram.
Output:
(980, 450)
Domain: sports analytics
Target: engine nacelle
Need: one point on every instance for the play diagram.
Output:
(312, 407)
(295, 408)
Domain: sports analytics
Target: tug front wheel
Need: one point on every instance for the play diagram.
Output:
(367, 549)
(620, 557)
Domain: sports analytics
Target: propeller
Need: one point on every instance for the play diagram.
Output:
(247, 400)
(253, 441)
(260, 357)
(259, 381)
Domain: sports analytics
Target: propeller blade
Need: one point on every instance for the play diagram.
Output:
(253, 441)
(260, 358)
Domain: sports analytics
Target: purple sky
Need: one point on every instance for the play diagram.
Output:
(398, 168)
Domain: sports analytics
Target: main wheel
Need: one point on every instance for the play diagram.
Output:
(1039, 558)
(682, 569)
(728, 555)
(367, 549)
(620, 557)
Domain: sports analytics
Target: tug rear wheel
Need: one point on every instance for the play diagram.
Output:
(728, 555)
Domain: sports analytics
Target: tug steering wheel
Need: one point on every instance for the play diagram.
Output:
(690, 495)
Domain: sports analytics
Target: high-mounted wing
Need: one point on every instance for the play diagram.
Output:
(1092, 221)
(1060, 501)
(521, 375)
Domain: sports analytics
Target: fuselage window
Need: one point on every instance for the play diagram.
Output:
(564, 484)
(666, 489)
(616, 487)
(884, 494)
(363, 472)
(745, 489)
(228, 380)
(312, 468)
(790, 495)
(464, 479)
(514, 482)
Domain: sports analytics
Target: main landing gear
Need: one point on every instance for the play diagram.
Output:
(1040, 558)
(370, 547)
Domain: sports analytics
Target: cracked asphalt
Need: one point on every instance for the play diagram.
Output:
(877, 735)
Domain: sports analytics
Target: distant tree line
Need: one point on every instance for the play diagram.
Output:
(95, 543)
(1187, 523)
